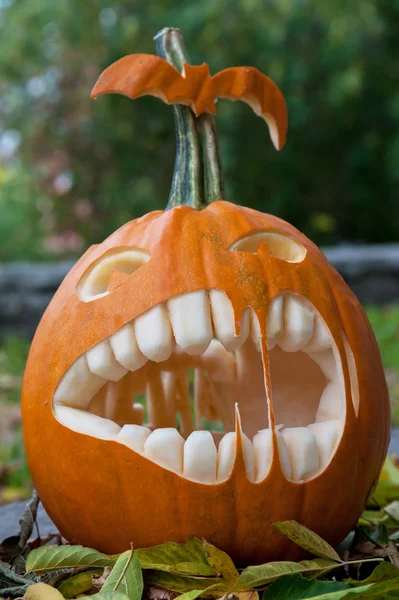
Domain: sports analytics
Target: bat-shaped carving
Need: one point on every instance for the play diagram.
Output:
(146, 74)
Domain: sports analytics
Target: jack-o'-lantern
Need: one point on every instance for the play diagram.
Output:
(204, 371)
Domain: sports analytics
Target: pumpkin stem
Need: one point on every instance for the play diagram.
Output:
(197, 177)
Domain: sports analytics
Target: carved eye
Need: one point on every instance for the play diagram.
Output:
(279, 245)
(96, 280)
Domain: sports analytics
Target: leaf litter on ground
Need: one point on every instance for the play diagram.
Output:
(367, 566)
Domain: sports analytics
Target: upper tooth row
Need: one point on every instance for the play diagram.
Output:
(189, 320)
(303, 451)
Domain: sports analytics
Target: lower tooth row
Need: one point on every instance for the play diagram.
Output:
(303, 451)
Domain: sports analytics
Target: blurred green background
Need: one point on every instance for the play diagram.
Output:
(73, 170)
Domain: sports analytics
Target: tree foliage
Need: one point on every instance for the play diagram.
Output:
(74, 169)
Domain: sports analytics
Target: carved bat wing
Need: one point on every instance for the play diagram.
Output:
(256, 89)
(138, 75)
(146, 74)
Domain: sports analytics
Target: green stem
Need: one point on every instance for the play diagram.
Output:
(213, 174)
(197, 177)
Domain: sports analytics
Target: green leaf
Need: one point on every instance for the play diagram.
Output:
(109, 596)
(307, 539)
(13, 585)
(289, 591)
(263, 574)
(193, 594)
(193, 569)
(385, 492)
(47, 559)
(176, 558)
(383, 572)
(126, 576)
(392, 510)
(296, 587)
(78, 584)
(376, 533)
(390, 469)
(181, 585)
(42, 591)
(221, 562)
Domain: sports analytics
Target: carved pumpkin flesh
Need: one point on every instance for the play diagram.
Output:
(204, 373)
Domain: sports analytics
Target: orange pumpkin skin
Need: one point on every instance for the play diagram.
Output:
(102, 494)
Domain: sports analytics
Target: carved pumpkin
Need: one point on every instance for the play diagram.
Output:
(203, 372)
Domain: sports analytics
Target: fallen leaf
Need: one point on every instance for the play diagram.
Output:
(307, 539)
(390, 471)
(385, 492)
(296, 587)
(156, 593)
(392, 510)
(382, 572)
(77, 584)
(188, 558)
(181, 585)
(392, 553)
(193, 594)
(262, 574)
(248, 595)
(42, 591)
(47, 559)
(378, 534)
(109, 596)
(28, 519)
(11, 584)
(99, 580)
(14, 546)
(221, 563)
(126, 576)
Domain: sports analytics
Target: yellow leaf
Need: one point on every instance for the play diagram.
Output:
(42, 591)
(390, 472)
(82, 582)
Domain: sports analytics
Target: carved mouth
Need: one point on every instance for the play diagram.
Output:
(166, 384)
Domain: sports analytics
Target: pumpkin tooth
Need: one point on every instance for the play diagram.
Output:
(154, 333)
(321, 338)
(302, 450)
(326, 361)
(274, 323)
(224, 321)
(327, 435)
(298, 323)
(102, 362)
(220, 364)
(134, 437)
(255, 331)
(263, 451)
(165, 447)
(78, 385)
(191, 321)
(125, 348)
(82, 421)
(227, 454)
(200, 457)
(331, 403)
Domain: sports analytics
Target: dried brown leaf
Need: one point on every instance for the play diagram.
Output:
(156, 593)
(392, 553)
(99, 580)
